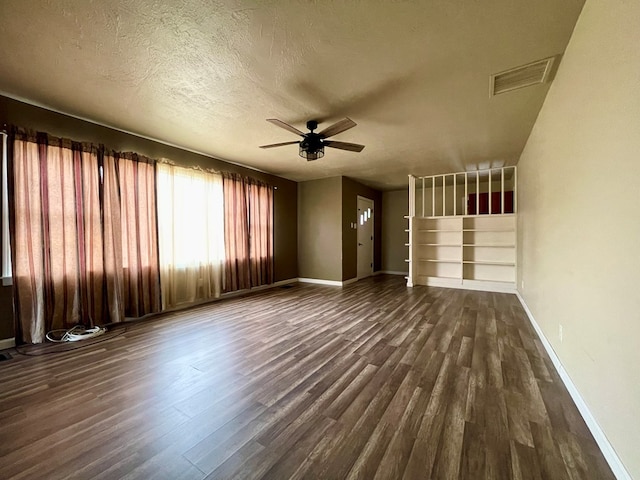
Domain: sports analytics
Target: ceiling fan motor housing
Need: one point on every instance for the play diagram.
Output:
(311, 142)
(311, 146)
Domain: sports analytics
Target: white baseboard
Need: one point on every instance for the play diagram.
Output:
(333, 283)
(479, 285)
(7, 343)
(601, 439)
(489, 286)
(279, 283)
(319, 281)
(238, 293)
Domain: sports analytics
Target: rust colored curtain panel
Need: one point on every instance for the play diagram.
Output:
(236, 233)
(248, 228)
(57, 248)
(260, 233)
(141, 273)
(112, 237)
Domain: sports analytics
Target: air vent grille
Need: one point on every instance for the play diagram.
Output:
(524, 76)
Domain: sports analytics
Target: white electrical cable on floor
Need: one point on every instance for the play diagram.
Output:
(74, 334)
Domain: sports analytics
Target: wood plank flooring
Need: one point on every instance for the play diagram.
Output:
(370, 381)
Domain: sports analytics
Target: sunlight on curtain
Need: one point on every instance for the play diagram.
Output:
(191, 234)
(59, 264)
(139, 233)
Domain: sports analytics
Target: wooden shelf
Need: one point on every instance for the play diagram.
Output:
(489, 245)
(437, 260)
(484, 262)
(441, 276)
(478, 250)
(440, 244)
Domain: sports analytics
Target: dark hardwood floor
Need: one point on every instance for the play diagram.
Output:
(372, 381)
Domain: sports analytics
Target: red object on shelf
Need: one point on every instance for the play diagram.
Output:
(496, 203)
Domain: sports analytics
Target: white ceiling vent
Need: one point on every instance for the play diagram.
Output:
(524, 76)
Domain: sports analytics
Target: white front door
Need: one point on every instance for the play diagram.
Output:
(365, 237)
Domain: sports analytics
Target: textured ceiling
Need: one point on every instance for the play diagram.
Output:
(204, 75)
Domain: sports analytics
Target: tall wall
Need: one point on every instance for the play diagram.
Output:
(579, 220)
(395, 206)
(320, 229)
(285, 198)
(327, 245)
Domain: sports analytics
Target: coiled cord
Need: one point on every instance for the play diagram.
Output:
(74, 334)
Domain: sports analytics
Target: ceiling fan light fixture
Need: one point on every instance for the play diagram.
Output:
(311, 154)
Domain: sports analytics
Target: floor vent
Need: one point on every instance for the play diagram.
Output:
(520, 77)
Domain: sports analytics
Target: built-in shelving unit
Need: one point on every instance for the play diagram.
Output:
(460, 250)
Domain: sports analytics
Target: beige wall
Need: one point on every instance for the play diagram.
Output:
(395, 205)
(320, 229)
(327, 245)
(579, 219)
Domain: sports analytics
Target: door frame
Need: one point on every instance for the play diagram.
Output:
(361, 197)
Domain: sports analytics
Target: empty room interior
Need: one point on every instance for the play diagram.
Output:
(323, 240)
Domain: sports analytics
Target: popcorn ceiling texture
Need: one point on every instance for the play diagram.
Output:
(206, 74)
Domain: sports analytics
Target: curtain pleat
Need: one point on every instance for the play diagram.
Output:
(112, 238)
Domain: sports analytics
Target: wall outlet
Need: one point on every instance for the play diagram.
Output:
(560, 332)
(522, 284)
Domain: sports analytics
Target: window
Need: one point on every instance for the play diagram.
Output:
(190, 217)
(190, 234)
(6, 243)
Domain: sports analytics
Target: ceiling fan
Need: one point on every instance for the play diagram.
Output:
(312, 143)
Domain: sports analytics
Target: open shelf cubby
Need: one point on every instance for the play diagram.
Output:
(458, 250)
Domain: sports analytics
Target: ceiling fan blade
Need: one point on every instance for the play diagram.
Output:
(279, 144)
(286, 126)
(352, 147)
(337, 128)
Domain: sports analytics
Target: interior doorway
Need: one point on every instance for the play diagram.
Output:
(365, 237)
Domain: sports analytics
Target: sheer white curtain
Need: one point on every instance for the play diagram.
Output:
(190, 234)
